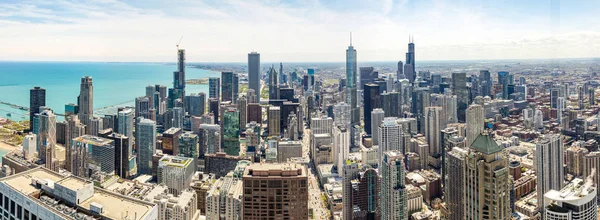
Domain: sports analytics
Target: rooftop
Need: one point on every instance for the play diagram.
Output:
(94, 140)
(275, 170)
(484, 143)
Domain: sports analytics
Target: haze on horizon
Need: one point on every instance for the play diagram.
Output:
(297, 30)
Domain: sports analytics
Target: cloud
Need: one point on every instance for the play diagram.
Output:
(312, 30)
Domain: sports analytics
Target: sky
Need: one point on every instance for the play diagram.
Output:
(297, 30)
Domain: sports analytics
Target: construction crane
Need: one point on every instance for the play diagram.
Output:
(179, 42)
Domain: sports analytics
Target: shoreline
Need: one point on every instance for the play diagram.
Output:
(7, 147)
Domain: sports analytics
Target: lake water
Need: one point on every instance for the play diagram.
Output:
(114, 83)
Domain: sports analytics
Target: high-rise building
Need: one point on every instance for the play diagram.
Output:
(372, 100)
(224, 198)
(242, 105)
(176, 172)
(170, 144)
(91, 155)
(292, 127)
(549, 164)
(254, 75)
(454, 195)
(294, 194)
(577, 200)
(274, 118)
(142, 107)
(229, 87)
(255, 113)
(214, 87)
(409, 67)
(46, 137)
(400, 71)
(29, 146)
(390, 102)
(591, 166)
(231, 132)
(390, 137)
(124, 162)
(341, 147)
(85, 101)
(96, 125)
(377, 116)
(188, 145)
(459, 88)
(554, 94)
(273, 84)
(37, 99)
(486, 83)
(287, 149)
(393, 189)
(145, 143)
(178, 91)
(433, 126)
(195, 104)
(125, 124)
(350, 172)
(475, 121)
(321, 124)
(367, 75)
(341, 114)
(487, 186)
(351, 81)
(209, 139)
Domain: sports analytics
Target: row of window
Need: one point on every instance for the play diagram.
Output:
(8, 206)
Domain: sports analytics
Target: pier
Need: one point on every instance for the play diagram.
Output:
(26, 109)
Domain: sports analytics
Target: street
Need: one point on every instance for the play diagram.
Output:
(320, 211)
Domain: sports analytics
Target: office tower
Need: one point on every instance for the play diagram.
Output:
(242, 105)
(209, 139)
(195, 104)
(89, 153)
(85, 101)
(580, 96)
(486, 83)
(178, 117)
(475, 121)
(448, 104)
(341, 147)
(575, 160)
(591, 166)
(350, 172)
(367, 75)
(321, 125)
(459, 88)
(504, 78)
(188, 145)
(399, 72)
(281, 75)
(124, 161)
(554, 94)
(145, 143)
(538, 119)
(255, 113)
(351, 80)
(486, 181)
(390, 102)
(170, 144)
(273, 84)
(176, 172)
(125, 125)
(311, 79)
(37, 98)
(142, 107)
(377, 116)
(393, 189)
(341, 114)
(254, 74)
(214, 86)
(213, 107)
(454, 195)
(184, 206)
(256, 202)
(390, 137)
(274, 118)
(29, 146)
(287, 149)
(178, 91)
(71, 109)
(46, 137)
(409, 67)
(372, 100)
(577, 200)
(433, 126)
(292, 127)
(229, 84)
(420, 100)
(366, 194)
(96, 125)
(231, 132)
(69, 198)
(224, 198)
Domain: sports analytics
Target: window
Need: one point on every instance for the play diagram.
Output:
(12, 207)
(19, 211)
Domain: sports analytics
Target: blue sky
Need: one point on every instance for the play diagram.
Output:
(309, 30)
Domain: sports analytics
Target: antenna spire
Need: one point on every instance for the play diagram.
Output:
(350, 38)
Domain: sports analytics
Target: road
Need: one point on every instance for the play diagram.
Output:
(320, 211)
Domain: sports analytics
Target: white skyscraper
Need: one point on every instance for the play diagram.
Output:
(29, 146)
(433, 126)
(578, 200)
(549, 164)
(321, 125)
(341, 113)
(475, 120)
(377, 116)
(126, 126)
(341, 147)
(390, 137)
(538, 119)
(393, 198)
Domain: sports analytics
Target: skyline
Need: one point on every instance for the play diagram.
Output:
(215, 31)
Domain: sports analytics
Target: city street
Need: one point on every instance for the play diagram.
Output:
(320, 211)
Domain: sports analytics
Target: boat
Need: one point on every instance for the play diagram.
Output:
(8, 114)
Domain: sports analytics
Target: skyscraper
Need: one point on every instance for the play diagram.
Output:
(274, 118)
(393, 189)
(37, 98)
(372, 100)
(86, 101)
(195, 104)
(400, 71)
(390, 137)
(88, 149)
(367, 75)
(351, 80)
(254, 74)
(188, 145)
(214, 87)
(175, 172)
(46, 137)
(433, 126)
(145, 142)
(475, 120)
(242, 106)
(273, 84)
(486, 83)
(577, 200)
(231, 132)
(341, 147)
(459, 88)
(341, 114)
(126, 117)
(409, 67)
(454, 195)
(229, 84)
(549, 165)
(377, 116)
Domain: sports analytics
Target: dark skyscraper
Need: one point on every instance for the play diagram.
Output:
(37, 98)
(400, 71)
(504, 80)
(459, 88)
(273, 84)
(254, 73)
(351, 82)
(228, 86)
(367, 75)
(86, 101)
(372, 100)
(486, 82)
(214, 86)
(178, 78)
(409, 67)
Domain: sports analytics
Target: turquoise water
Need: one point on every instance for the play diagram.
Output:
(114, 83)
(3, 152)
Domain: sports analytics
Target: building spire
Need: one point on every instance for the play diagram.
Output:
(350, 38)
